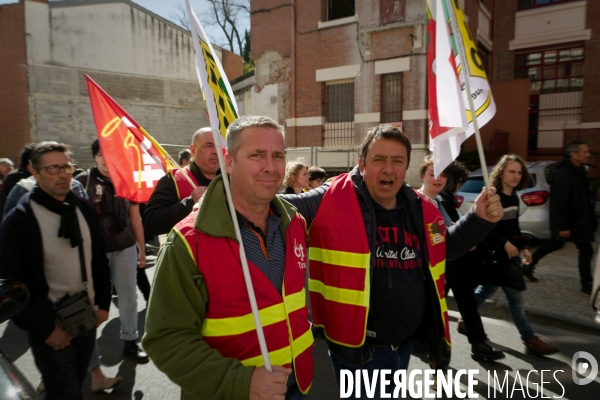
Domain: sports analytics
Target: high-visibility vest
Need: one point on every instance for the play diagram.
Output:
(229, 325)
(340, 260)
(435, 236)
(184, 189)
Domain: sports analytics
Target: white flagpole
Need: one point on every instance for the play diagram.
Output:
(465, 71)
(217, 138)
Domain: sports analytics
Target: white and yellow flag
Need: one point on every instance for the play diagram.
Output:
(451, 119)
(217, 93)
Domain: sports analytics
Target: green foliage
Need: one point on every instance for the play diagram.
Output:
(246, 49)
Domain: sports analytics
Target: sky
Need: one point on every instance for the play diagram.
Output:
(166, 9)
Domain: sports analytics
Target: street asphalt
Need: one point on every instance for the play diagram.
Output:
(555, 307)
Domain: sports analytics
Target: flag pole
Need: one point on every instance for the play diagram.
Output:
(247, 278)
(195, 25)
(465, 71)
(167, 157)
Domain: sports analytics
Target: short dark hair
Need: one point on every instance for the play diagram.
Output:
(496, 175)
(245, 122)
(95, 148)
(26, 154)
(457, 173)
(184, 154)
(573, 147)
(387, 132)
(47, 147)
(315, 172)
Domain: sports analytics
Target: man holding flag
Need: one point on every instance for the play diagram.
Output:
(199, 326)
(377, 259)
(174, 196)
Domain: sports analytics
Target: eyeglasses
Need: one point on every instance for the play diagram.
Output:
(55, 169)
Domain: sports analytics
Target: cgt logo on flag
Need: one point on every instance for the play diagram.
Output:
(146, 169)
(134, 159)
(151, 171)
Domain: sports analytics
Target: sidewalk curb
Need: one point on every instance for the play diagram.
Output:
(491, 309)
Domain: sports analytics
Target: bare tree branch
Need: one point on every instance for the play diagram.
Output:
(227, 15)
(180, 16)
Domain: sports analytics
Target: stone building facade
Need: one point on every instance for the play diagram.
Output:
(143, 61)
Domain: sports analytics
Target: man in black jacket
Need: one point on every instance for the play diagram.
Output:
(39, 246)
(16, 175)
(174, 197)
(572, 215)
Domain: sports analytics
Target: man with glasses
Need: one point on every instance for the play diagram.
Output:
(121, 227)
(174, 197)
(40, 243)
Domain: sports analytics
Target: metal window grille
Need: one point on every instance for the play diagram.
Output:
(550, 71)
(339, 114)
(391, 97)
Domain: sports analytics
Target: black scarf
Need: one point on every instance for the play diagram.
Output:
(69, 225)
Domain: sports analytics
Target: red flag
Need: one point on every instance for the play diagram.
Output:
(134, 159)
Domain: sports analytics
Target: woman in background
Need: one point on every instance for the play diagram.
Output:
(509, 176)
(296, 178)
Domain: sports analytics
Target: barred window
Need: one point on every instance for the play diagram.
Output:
(391, 97)
(339, 114)
(339, 102)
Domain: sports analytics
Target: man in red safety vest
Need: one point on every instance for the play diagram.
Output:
(174, 196)
(199, 326)
(377, 254)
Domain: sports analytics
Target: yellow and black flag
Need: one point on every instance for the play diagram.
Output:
(217, 93)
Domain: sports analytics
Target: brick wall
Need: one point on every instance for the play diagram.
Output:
(503, 64)
(329, 48)
(14, 109)
(233, 65)
(591, 83)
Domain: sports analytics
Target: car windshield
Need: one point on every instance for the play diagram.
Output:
(472, 185)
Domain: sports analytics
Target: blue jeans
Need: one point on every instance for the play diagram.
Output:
(515, 304)
(376, 358)
(123, 265)
(63, 371)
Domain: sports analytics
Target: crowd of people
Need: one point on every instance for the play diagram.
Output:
(382, 259)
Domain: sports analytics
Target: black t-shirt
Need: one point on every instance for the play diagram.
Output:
(398, 284)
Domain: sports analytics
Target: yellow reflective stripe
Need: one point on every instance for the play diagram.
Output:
(245, 323)
(283, 355)
(342, 258)
(302, 343)
(339, 295)
(438, 269)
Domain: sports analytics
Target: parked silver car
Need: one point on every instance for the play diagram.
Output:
(534, 207)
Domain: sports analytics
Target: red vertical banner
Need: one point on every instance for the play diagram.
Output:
(134, 159)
